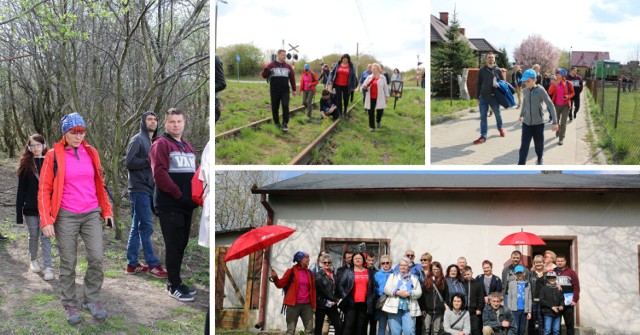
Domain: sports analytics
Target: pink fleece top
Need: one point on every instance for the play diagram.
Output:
(560, 93)
(79, 192)
(304, 287)
(306, 80)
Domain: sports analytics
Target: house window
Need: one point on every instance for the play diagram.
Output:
(336, 246)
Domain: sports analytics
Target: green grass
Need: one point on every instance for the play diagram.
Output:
(440, 107)
(399, 141)
(622, 144)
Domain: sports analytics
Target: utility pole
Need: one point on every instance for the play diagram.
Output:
(215, 41)
(357, 58)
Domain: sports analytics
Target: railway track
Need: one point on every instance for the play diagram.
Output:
(254, 124)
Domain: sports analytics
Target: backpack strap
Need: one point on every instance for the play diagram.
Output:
(459, 318)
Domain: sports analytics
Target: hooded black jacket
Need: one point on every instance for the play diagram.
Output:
(137, 159)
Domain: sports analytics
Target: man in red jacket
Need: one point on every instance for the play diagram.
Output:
(300, 293)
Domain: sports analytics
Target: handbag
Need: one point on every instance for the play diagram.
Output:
(381, 300)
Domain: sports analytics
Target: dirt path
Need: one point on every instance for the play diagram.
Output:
(137, 304)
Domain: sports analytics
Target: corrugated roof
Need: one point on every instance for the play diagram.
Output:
(588, 58)
(483, 45)
(321, 183)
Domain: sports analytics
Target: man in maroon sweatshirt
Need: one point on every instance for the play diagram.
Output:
(280, 75)
(173, 164)
(568, 280)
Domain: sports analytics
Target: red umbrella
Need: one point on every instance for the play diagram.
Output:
(257, 239)
(522, 238)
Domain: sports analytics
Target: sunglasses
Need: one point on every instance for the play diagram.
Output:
(423, 260)
(385, 263)
(410, 256)
(327, 262)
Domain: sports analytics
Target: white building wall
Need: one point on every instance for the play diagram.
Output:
(451, 225)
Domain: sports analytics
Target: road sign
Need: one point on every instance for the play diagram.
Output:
(238, 58)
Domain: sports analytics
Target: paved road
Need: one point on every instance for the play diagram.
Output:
(452, 142)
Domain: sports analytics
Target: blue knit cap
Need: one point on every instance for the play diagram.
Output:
(562, 71)
(70, 121)
(307, 67)
(297, 258)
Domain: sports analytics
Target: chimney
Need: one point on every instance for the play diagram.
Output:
(444, 17)
(462, 31)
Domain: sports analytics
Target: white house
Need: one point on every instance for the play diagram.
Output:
(593, 219)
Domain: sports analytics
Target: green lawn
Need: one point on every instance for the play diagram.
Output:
(622, 142)
(442, 107)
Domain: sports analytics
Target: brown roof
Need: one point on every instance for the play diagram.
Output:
(438, 30)
(483, 45)
(588, 58)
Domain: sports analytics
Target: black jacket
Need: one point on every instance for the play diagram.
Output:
(484, 84)
(221, 83)
(475, 296)
(325, 289)
(550, 296)
(345, 288)
(494, 286)
(137, 159)
(27, 195)
(430, 300)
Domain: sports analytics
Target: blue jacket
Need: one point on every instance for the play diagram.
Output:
(381, 279)
(504, 95)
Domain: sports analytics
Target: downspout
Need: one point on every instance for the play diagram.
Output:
(264, 277)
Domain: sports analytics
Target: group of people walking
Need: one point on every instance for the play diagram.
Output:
(561, 100)
(62, 194)
(339, 84)
(420, 298)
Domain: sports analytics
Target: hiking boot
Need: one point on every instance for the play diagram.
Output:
(48, 274)
(186, 289)
(34, 267)
(3, 238)
(136, 268)
(158, 272)
(480, 140)
(309, 114)
(73, 314)
(378, 124)
(285, 128)
(96, 309)
(371, 130)
(501, 132)
(539, 161)
(560, 142)
(179, 295)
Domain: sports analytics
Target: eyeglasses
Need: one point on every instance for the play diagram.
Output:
(385, 263)
(37, 145)
(410, 256)
(327, 262)
(423, 260)
(77, 133)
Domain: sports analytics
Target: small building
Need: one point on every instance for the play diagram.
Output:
(593, 219)
(584, 60)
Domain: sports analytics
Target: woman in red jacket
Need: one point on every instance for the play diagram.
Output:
(300, 293)
(71, 201)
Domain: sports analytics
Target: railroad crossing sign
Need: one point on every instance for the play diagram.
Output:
(295, 54)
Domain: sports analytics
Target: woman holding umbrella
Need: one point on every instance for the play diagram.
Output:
(299, 293)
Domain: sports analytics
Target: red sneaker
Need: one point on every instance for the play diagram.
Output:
(480, 140)
(137, 268)
(158, 272)
(501, 132)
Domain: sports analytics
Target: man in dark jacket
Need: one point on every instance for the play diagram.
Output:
(497, 319)
(221, 84)
(516, 82)
(488, 77)
(280, 75)
(475, 300)
(568, 280)
(576, 80)
(173, 164)
(141, 192)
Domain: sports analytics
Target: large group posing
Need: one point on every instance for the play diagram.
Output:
(62, 194)
(421, 298)
(560, 93)
(340, 81)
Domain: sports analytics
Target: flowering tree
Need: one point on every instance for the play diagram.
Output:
(536, 50)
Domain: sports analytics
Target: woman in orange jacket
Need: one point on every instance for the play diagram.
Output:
(308, 82)
(71, 201)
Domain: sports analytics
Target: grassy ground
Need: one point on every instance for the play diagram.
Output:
(442, 107)
(400, 141)
(623, 142)
(137, 304)
(268, 145)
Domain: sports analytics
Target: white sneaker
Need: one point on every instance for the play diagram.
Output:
(34, 266)
(48, 274)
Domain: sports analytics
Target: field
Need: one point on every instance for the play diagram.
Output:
(137, 304)
(246, 102)
(623, 142)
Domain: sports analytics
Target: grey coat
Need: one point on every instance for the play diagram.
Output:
(513, 296)
(532, 113)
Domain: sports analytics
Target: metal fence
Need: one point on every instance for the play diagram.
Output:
(618, 118)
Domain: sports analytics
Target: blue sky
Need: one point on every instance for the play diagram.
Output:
(392, 31)
(588, 25)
